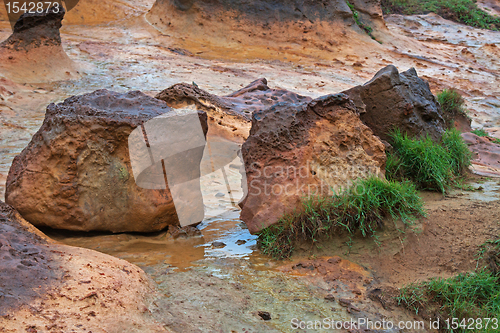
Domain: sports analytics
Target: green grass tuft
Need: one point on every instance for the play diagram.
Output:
(430, 165)
(482, 133)
(360, 209)
(460, 155)
(462, 11)
(452, 104)
(423, 161)
(467, 295)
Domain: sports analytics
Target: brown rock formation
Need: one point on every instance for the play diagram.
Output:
(262, 29)
(52, 287)
(90, 12)
(34, 30)
(370, 13)
(398, 100)
(229, 116)
(486, 161)
(33, 53)
(297, 150)
(76, 173)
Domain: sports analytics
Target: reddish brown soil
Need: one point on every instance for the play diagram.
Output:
(442, 244)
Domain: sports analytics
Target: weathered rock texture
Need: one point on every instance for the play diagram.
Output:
(76, 172)
(255, 27)
(33, 53)
(90, 12)
(35, 30)
(3, 14)
(486, 159)
(229, 116)
(370, 14)
(297, 150)
(398, 100)
(49, 287)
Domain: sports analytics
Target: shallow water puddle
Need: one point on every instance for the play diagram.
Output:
(488, 190)
(160, 248)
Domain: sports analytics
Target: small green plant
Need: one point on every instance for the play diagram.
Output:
(423, 161)
(365, 27)
(452, 104)
(462, 11)
(460, 155)
(466, 296)
(482, 133)
(431, 165)
(490, 252)
(360, 209)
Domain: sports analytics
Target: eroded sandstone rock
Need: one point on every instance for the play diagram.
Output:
(33, 30)
(33, 53)
(398, 100)
(50, 287)
(299, 150)
(486, 159)
(76, 173)
(229, 116)
(261, 29)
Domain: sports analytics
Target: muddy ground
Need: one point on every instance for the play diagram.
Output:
(231, 287)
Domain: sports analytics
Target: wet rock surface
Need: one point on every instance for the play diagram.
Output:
(486, 159)
(297, 150)
(398, 100)
(229, 116)
(76, 173)
(51, 287)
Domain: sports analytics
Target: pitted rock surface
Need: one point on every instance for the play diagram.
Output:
(300, 150)
(76, 173)
(229, 116)
(398, 100)
(33, 30)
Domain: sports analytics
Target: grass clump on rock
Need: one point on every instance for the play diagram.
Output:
(467, 296)
(482, 133)
(361, 209)
(452, 103)
(462, 11)
(431, 165)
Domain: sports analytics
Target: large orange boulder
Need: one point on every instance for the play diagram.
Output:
(77, 172)
(299, 150)
(283, 30)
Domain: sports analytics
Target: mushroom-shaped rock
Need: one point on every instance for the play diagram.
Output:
(33, 53)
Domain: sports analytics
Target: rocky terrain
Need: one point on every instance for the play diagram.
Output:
(275, 84)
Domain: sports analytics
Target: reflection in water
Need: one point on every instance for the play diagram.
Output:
(147, 250)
